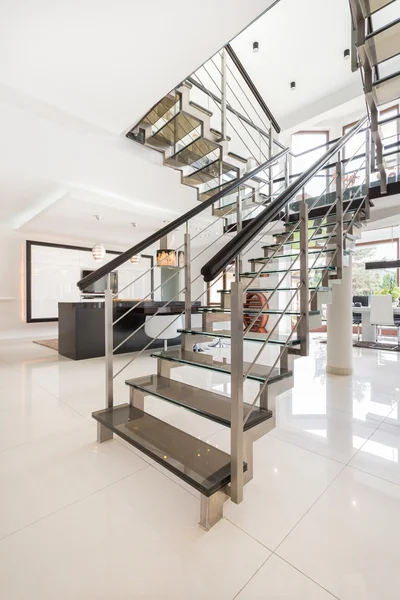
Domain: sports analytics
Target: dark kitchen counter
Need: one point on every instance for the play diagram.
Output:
(81, 326)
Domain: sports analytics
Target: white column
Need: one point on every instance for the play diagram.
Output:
(340, 326)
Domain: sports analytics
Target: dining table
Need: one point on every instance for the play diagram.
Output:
(368, 330)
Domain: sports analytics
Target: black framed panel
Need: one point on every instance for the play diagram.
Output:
(30, 244)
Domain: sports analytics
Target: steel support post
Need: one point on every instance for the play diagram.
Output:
(303, 327)
(104, 434)
(237, 391)
(339, 218)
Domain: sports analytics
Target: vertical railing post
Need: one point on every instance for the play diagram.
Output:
(367, 171)
(339, 218)
(287, 181)
(223, 94)
(237, 388)
(188, 302)
(304, 325)
(104, 434)
(270, 152)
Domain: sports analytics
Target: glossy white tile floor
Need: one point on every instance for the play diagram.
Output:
(79, 520)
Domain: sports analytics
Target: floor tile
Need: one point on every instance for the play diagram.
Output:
(329, 432)
(380, 454)
(282, 473)
(138, 538)
(278, 580)
(30, 415)
(55, 471)
(347, 542)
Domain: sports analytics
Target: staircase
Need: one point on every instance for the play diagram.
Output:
(271, 306)
(377, 49)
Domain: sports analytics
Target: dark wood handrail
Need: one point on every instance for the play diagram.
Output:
(260, 100)
(228, 253)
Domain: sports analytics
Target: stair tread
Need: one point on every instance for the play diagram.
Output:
(193, 152)
(369, 7)
(202, 466)
(291, 242)
(272, 271)
(320, 226)
(201, 108)
(278, 339)
(160, 109)
(281, 289)
(221, 364)
(291, 255)
(208, 172)
(383, 43)
(250, 311)
(387, 89)
(177, 128)
(208, 404)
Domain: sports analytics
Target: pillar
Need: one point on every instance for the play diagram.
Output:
(340, 326)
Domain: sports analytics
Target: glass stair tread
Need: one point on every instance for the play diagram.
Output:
(181, 125)
(255, 311)
(369, 7)
(193, 152)
(208, 404)
(312, 227)
(229, 208)
(262, 259)
(247, 274)
(208, 173)
(160, 109)
(221, 364)
(387, 89)
(202, 466)
(281, 289)
(291, 242)
(209, 193)
(384, 43)
(280, 340)
(201, 108)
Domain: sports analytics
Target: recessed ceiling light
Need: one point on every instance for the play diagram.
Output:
(256, 47)
(346, 54)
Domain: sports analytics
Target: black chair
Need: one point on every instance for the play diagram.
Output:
(359, 301)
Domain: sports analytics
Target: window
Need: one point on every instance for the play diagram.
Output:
(367, 282)
(213, 297)
(307, 140)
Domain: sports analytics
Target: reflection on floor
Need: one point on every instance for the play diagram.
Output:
(79, 520)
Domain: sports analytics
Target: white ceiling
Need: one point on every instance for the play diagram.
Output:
(107, 62)
(302, 42)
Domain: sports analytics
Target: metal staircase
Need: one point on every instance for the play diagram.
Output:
(376, 49)
(273, 306)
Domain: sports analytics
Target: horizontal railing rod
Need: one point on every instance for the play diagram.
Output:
(227, 254)
(217, 100)
(155, 237)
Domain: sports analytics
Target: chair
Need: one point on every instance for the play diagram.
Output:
(155, 325)
(359, 301)
(382, 313)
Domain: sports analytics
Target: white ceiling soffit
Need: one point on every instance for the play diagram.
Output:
(302, 42)
(109, 62)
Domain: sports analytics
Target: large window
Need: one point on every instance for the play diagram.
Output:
(302, 141)
(367, 282)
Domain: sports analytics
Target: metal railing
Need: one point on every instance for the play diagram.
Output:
(229, 97)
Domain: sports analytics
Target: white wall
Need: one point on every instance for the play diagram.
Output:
(13, 285)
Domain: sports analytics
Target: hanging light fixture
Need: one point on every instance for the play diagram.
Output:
(136, 259)
(98, 252)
